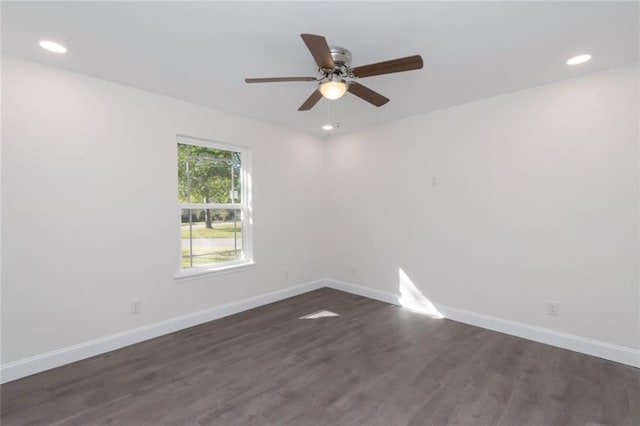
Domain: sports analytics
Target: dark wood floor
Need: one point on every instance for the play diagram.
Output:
(375, 364)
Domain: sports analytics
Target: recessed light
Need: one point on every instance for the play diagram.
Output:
(580, 59)
(327, 127)
(52, 46)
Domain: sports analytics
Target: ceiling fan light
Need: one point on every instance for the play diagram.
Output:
(333, 89)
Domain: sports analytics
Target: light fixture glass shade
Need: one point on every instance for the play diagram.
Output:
(333, 89)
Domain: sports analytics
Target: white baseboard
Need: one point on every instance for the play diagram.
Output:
(597, 348)
(585, 345)
(370, 293)
(46, 361)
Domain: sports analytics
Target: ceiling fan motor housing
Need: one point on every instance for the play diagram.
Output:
(342, 61)
(340, 55)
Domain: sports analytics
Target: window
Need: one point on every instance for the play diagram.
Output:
(213, 198)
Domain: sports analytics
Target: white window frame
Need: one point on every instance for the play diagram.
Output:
(244, 206)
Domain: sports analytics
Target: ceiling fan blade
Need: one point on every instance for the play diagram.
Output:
(278, 79)
(367, 94)
(311, 101)
(387, 67)
(319, 48)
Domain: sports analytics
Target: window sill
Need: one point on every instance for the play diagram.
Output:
(195, 274)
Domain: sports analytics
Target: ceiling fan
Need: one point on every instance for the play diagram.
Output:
(336, 74)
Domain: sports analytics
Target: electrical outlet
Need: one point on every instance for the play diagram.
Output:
(136, 306)
(553, 308)
(286, 274)
(352, 271)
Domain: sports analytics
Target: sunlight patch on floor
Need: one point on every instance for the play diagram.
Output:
(320, 314)
(413, 299)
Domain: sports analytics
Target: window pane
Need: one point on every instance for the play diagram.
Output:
(210, 236)
(208, 175)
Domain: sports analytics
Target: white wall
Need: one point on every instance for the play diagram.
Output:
(89, 208)
(536, 200)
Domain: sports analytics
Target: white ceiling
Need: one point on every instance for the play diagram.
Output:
(201, 52)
